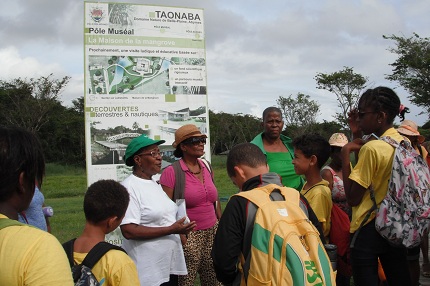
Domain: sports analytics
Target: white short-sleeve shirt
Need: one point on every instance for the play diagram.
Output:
(155, 258)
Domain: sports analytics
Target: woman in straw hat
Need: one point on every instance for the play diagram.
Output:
(150, 225)
(202, 204)
(332, 173)
(409, 129)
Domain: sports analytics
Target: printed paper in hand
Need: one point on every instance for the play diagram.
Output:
(182, 210)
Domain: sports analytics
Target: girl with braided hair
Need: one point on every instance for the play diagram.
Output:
(375, 114)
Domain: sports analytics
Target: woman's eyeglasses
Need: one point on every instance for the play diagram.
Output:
(153, 154)
(195, 140)
(361, 114)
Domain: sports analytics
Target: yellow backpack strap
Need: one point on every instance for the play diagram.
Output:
(5, 222)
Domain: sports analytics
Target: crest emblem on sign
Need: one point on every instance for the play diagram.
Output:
(97, 14)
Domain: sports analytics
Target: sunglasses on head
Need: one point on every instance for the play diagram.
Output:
(195, 140)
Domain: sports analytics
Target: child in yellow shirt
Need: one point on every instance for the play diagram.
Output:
(375, 113)
(311, 151)
(105, 203)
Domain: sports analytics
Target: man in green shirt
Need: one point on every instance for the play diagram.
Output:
(278, 148)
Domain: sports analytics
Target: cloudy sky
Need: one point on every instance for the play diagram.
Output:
(256, 50)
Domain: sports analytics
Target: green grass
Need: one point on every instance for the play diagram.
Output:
(68, 220)
(223, 183)
(64, 188)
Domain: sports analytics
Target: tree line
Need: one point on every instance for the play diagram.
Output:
(35, 104)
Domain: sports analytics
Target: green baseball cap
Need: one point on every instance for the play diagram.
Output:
(136, 144)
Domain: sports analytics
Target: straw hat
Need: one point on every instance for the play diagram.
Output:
(338, 140)
(136, 144)
(410, 128)
(186, 131)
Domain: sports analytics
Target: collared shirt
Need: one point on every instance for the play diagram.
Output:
(281, 162)
(199, 196)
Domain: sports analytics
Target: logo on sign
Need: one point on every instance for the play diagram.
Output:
(97, 14)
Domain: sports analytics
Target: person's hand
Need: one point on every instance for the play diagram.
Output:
(354, 146)
(181, 228)
(353, 123)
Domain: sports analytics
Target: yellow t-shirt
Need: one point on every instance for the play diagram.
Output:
(319, 198)
(374, 164)
(115, 268)
(30, 256)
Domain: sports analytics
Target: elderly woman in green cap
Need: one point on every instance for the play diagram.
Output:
(150, 226)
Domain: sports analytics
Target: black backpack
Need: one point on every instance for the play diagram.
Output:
(82, 274)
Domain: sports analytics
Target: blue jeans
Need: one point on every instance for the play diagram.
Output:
(369, 246)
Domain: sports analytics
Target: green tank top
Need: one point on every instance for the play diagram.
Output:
(281, 163)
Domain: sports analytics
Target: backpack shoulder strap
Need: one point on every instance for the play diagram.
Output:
(389, 140)
(5, 222)
(208, 166)
(312, 188)
(178, 190)
(97, 252)
(304, 206)
(405, 143)
(333, 173)
(68, 248)
(420, 149)
(251, 210)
